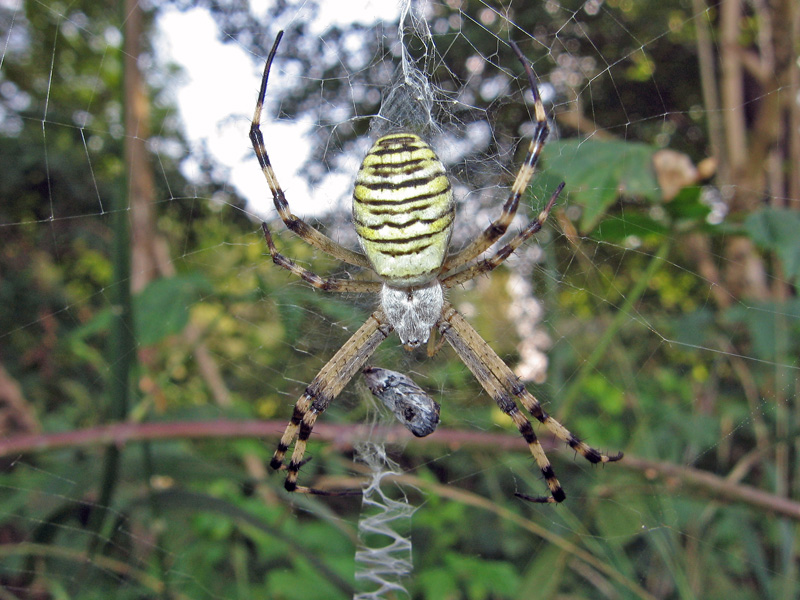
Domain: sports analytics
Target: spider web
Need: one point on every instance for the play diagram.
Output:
(656, 313)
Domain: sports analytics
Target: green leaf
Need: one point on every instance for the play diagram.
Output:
(162, 308)
(688, 204)
(599, 172)
(766, 322)
(544, 573)
(694, 328)
(776, 229)
(618, 229)
(437, 583)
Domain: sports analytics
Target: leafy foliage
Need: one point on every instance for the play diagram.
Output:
(600, 172)
(775, 229)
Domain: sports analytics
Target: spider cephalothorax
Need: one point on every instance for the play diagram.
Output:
(403, 212)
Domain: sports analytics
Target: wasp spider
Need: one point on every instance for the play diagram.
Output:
(403, 212)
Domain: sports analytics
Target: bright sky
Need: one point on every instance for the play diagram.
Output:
(218, 95)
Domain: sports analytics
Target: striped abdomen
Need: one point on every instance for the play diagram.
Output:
(403, 209)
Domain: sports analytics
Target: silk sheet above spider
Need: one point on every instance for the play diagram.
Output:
(403, 212)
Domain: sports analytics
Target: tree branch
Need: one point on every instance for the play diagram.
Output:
(344, 437)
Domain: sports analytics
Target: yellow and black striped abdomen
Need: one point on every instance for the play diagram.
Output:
(403, 209)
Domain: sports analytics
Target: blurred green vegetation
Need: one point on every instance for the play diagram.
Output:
(658, 347)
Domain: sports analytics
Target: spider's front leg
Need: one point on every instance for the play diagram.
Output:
(500, 382)
(473, 354)
(509, 381)
(328, 383)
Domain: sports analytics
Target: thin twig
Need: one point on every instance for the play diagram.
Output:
(471, 499)
(708, 81)
(343, 437)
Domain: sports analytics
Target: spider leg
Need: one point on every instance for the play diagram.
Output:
(495, 375)
(470, 353)
(498, 227)
(295, 224)
(499, 257)
(328, 383)
(326, 285)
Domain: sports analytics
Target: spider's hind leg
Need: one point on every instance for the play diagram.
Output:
(330, 284)
(498, 227)
(292, 222)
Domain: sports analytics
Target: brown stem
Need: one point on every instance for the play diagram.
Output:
(708, 80)
(344, 437)
(16, 413)
(732, 85)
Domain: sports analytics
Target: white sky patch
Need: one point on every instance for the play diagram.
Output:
(217, 96)
(216, 99)
(330, 13)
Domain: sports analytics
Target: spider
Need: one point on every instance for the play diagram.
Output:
(403, 213)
